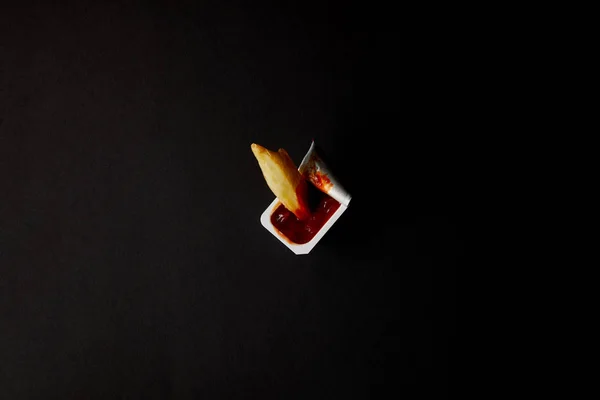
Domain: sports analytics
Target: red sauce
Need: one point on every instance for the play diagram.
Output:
(321, 181)
(301, 232)
(315, 176)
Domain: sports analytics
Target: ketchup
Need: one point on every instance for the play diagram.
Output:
(321, 181)
(301, 232)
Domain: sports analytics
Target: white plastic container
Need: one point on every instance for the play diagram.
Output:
(265, 220)
(336, 191)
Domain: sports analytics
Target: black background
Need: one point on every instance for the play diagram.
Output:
(132, 261)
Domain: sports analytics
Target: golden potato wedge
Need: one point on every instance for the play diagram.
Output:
(284, 179)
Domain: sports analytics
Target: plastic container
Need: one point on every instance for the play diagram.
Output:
(315, 171)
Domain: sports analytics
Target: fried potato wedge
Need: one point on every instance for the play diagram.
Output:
(284, 179)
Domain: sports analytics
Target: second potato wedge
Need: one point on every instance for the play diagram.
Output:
(284, 179)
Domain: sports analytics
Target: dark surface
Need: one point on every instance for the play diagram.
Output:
(132, 261)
